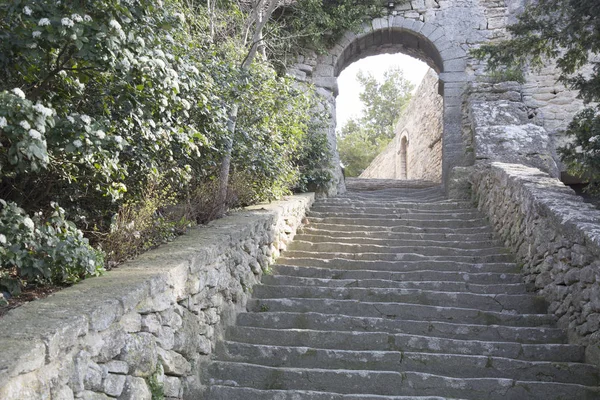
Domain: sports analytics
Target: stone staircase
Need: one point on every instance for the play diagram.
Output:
(397, 293)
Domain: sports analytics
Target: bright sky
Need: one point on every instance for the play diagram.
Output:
(348, 104)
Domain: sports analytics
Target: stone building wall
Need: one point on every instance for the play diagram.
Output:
(150, 321)
(421, 128)
(556, 237)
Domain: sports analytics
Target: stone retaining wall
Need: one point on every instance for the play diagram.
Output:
(556, 237)
(149, 323)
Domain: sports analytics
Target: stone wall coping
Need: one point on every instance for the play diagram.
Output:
(573, 217)
(40, 332)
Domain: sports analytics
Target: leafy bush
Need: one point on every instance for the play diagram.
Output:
(118, 111)
(43, 250)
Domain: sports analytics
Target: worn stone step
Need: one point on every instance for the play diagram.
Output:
(397, 276)
(404, 263)
(402, 228)
(383, 341)
(413, 204)
(219, 392)
(388, 234)
(400, 213)
(284, 280)
(451, 365)
(451, 330)
(408, 240)
(395, 222)
(389, 383)
(398, 311)
(440, 250)
(395, 215)
(403, 254)
(523, 303)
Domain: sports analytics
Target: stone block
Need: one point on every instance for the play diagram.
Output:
(172, 386)
(117, 367)
(131, 322)
(173, 363)
(140, 354)
(113, 384)
(135, 389)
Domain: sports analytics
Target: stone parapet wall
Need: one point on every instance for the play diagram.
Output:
(149, 323)
(556, 237)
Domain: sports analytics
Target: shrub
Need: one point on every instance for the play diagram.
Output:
(43, 250)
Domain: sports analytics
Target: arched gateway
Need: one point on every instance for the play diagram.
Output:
(398, 34)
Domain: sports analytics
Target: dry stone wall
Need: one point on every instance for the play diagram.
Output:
(556, 237)
(149, 323)
(421, 128)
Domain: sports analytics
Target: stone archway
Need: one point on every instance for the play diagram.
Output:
(397, 34)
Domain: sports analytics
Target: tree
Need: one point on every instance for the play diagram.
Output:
(360, 140)
(306, 23)
(567, 32)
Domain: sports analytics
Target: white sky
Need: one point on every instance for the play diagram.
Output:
(348, 104)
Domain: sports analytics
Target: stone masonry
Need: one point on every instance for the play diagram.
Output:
(419, 130)
(148, 323)
(556, 237)
(395, 292)
(441, 33)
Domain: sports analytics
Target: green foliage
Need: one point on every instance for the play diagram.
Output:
(118, 112)
(317, 24)
(43, 249)
(361, 140)
(569, 33)
(582, 155)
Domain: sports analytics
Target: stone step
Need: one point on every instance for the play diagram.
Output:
(404, 254)
(523, 303)
(399, 311)
(406, 240)
(388, 234)
(396, 222)
(383, 341)
(219, 392)
(393, 383)
(451, 365)
(401, 228)
(426, 208)
(440, 250)
(368, 214)
(467, 287)
(400, 262)
(407, 204)
(493, 278)
(451, 330)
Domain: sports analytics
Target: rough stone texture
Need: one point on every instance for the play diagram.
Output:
(420, 128)
(441, 33)
(159, 314)
(504, 128)
(556, 237)
(394, 292)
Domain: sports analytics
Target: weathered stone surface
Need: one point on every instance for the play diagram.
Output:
(173, 363)
(117, 367)
(140, 354)
(135, 389)
(172, 386)
(544, 222)
(113, 384)
(89, 395)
